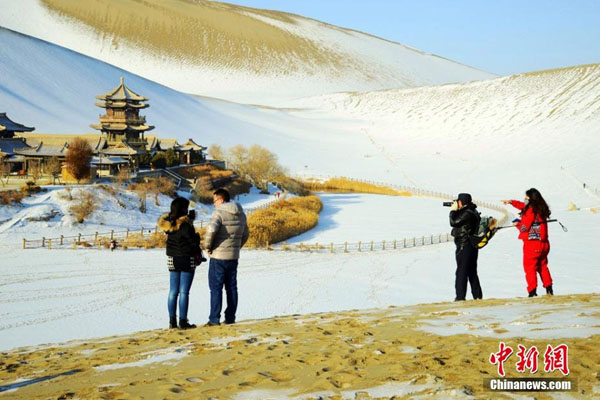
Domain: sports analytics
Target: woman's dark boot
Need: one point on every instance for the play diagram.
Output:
(184, 324)
(533, 293)
(173, 323)
(549, 290)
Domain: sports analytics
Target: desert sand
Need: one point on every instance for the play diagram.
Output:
(437, 349)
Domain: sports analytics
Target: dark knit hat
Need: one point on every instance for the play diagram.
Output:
(465, 198)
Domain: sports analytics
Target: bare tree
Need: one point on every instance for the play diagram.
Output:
(256, 164)
(216, 152)
(54, 168)
(35, 171)
(78, 159)
(4, 172)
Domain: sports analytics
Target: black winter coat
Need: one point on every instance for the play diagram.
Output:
(182, 238)
(464, 223)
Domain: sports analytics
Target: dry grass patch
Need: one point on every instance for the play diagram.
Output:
(347, 185)
(84, 206)
(204, 171)
(283, 220)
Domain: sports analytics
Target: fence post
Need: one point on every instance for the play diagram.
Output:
(447, 237)
(394, 244)
(49, 244)
(200, 224)
(79, 238)
(423, 240)
(24, 243)
(142, 231)
(331, 246)
(61, 239)
(127, 234)
(440, 238)
(96, 238)
(359, 245)
(404, 243)
(345, 247)
(414, 241)
(43, 242)
(317, 246)
(371, 245)
(112, 234)
(431, 239)
(383, 248)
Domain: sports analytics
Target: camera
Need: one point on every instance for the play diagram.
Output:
(192, 215)
(447, 204)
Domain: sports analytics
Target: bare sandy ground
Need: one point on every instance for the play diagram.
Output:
(432, 350)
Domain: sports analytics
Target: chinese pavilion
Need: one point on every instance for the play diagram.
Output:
(122, 121)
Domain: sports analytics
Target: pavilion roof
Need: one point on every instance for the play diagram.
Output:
(6, 124)
(96, 141)
(9, 146)
(122, 93)
(190, 145)
(121, 149)
(42, 150)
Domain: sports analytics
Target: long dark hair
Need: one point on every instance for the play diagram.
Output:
(537, 204)
(179, 208)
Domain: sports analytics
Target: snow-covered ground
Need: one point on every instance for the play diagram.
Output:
(48, 214)
(56, 295)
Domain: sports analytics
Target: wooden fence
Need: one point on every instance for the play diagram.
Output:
(102, 240)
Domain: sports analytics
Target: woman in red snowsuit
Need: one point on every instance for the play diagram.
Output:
(533, 231)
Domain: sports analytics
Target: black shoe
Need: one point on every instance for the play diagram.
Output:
(212, 324)
(549, 290)
(533, 293)
(172, 323)
(229, 322)
(457, 299)
(184, 324)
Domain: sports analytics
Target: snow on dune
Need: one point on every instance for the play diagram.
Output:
(295, 56)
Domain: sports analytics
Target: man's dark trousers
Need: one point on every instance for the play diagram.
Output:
(466, 268)
(222, 272)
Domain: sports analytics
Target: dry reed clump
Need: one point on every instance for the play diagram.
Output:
(283, 220)
(9, 197)
(347, 185)
(147, 241)
(201, 171)
(86, 204)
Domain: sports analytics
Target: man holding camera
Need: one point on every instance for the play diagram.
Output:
(464, 220)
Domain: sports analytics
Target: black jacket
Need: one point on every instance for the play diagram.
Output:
(182, 239)
(464, 223)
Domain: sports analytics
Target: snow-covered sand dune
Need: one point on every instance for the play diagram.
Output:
(228, 51)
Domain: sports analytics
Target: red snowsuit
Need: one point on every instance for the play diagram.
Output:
(534, 234)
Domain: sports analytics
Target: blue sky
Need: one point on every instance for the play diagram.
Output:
(499, 36)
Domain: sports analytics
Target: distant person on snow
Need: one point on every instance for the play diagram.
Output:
(464, 220)
(533, 231)
(183, 255)
(226, 234)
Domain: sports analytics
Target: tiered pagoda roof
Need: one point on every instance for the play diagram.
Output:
(8, 126)
(122, 97)
(122, 111)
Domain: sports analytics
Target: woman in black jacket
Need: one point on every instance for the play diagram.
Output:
(183, 246)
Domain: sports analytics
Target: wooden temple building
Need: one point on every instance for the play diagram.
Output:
(121, 142)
